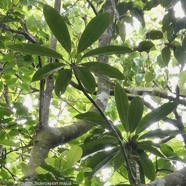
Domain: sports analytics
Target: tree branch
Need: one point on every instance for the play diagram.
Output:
(176, 178)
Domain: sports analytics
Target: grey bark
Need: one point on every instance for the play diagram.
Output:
(47, 137)
(177, 178)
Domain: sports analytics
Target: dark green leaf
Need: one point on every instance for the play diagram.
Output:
(139, 14)
(147, 166)
(156, 115)
(184, 41)
(135, 113)
(183, 3)
(86, 78)
(46, 71)
(62, 81)
(166, 55)
(158, 133)
(100, 159)
(151, 4)
(93, 118)
(148, 146)
(58, 26)
(97, 143)
(123, 7)
(145, 46)
(35, 49)
(105, 69)
(154, 34)
(4, 112)
(111, 49)
(122, 105)
(180, 54)
(93, 31)
(166, 3)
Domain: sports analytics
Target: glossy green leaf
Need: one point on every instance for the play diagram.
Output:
(158, 133)
(111, 49)
(154, 34)
(35, 49)
(58, 26)
(93, 118)
(145, 46)
(122, 105)
(156, 115)
(180, 54)
(104, 69)
(93, 31)
(86, 78)
(147, 166)
(135, 113)
(148, 146)
(62, 81)
(166, 55)
(46, 71)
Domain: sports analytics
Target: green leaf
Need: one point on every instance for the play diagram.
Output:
(121, 29)
(58, 26)
(147, 166)
(93, 31)
(86, 78)
(156, 115)
(122, 105)
(100, 159)
(62, 81)
(46, 71)
(35, 49)
(154, 34)
(135, 113)
(183, 3)
(151, 4)
(149, 76)
(167, 150)
(158, 133)
(145, 46)
(9, 143)
(111, 49)
(104, 69)
(93, 118)
(73, 155)
(166, 55)
(182, 80)
(148, 146)
(180, 54)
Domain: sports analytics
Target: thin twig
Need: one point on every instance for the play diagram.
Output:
(110, 125)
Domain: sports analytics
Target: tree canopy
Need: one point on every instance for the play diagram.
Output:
(92, 92)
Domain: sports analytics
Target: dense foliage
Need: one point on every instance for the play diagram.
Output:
(140, 136)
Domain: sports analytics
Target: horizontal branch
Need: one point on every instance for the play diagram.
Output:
(176, 178)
